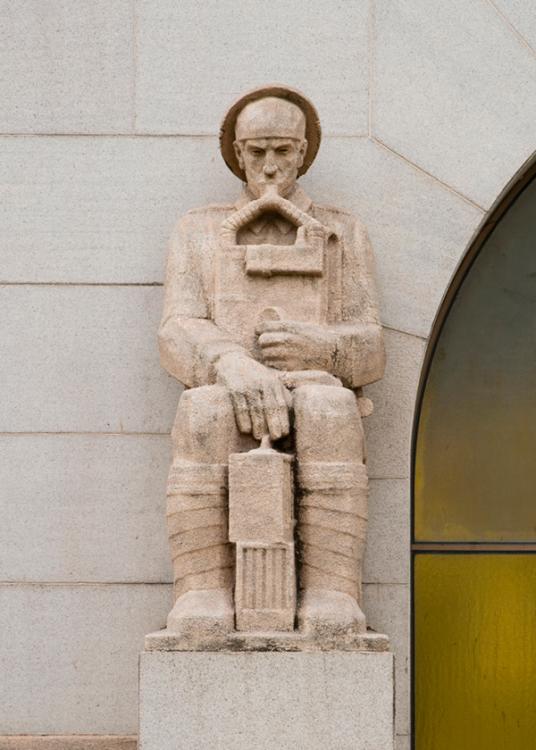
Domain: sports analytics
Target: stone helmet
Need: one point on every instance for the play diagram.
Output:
(313, 131)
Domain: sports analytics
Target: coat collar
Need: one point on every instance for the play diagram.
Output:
(298, 196)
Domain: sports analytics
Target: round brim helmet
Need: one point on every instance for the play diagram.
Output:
(313, 132)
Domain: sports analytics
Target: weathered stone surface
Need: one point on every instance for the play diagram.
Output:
(280, 640)
(388, 429)
(86, 676)
(183, 42)
(388, 534)
(261, 509)
(264, 301)
(266, 701)
(94, 360)
(83, 508)
(423, 83)
(419, 229)
(67, 68)
(99, 210)
(388, 611)
(69, 742)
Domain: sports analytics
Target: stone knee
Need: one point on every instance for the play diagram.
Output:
(333, 488)
(204, 425)
(327, 424)
(197, 514)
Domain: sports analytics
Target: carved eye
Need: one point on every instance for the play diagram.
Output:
(257, 152)
(282, 150)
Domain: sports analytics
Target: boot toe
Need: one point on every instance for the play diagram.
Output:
(202, 613)
(326, 613)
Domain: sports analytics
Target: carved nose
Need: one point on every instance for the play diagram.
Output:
(270, 169)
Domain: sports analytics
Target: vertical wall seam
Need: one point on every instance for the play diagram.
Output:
(134, 65)
(371, 60)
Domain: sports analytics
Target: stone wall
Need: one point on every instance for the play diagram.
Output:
(110, 110)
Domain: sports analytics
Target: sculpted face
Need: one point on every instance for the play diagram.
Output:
(270, 144)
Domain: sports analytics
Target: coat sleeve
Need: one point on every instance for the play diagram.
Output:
(190, 342)
(360, 352)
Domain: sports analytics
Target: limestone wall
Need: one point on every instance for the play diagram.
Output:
(109, 116)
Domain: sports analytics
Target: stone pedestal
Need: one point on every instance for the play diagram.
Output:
(329, 700)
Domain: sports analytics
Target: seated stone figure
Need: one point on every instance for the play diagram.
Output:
(270, 321)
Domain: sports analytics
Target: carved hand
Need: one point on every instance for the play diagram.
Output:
(293, 345)
(260, 400)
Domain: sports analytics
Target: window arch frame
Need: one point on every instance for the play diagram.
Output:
(521, 179)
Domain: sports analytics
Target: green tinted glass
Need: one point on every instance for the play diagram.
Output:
(475, 653)
(475, 464)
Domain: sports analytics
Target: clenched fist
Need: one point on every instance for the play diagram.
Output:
(294, 345)
(260, 401)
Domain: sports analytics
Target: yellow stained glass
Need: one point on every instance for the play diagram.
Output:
(475, 464)
(475, 651)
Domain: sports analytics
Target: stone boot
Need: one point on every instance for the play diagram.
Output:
(201, 614)
(332, 518)
(202, 556)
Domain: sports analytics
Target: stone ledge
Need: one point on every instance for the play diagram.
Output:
(369, 642)
(68, 742)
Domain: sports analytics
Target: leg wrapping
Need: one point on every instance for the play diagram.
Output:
(197, 519)
(332, 520)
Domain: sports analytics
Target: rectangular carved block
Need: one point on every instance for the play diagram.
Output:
(262, 526)
(260, 497)
(265, 593)
(269, 260)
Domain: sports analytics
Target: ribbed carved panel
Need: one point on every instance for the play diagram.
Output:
(265, 593)
(264, 577)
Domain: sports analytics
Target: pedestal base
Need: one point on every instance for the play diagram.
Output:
(266, 701)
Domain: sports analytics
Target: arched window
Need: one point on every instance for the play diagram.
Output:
(474, 496)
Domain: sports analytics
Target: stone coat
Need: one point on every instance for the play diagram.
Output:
(190, 342)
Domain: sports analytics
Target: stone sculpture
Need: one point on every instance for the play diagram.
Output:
(270, 321)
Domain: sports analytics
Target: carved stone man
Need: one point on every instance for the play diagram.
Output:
(270, 321)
